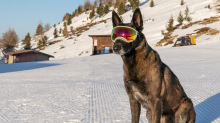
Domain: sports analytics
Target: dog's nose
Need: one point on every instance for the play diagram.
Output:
(117, 48)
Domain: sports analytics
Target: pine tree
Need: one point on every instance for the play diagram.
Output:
(27, 42)
(60, 31)
(134, 7)
(65, 32)
(64, 24)
(188, 19)
(73, 15)
(180, 18)
(116, 5)
(209, 6)
(106, 9)
(55, 33)
(121, 8)
(54, 25)
(44, 40)
(186, 12)
(182, 2)
(71, 28)
(136, 2)
(76, 13)
(79, 10)
(66, 16)
(69, 21)
(152, 3)
(92, 14)
(169, 26)
(39, 29)
(100, 11)
(39, 44)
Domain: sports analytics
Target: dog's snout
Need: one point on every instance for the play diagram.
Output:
(117, 48)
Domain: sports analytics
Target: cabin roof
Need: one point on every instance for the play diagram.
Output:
(26, 51)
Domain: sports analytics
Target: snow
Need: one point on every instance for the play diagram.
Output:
(90, 89)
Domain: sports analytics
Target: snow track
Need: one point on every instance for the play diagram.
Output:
(91, 89)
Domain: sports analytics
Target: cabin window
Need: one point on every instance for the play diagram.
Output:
(105, 50)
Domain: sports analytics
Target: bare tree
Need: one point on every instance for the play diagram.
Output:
(87, 5)
(76, 13)
(95, 4)
(109, 2)
(35, 38)
(9, 40)
(47, 27)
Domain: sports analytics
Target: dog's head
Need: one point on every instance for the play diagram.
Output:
(120, 46)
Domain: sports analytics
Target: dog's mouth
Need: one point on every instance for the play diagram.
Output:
(121, 47)
(117, 49)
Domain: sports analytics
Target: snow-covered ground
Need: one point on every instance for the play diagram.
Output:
(90, 89)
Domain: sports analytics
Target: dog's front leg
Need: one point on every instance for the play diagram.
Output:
(135, 109)
(156, 110)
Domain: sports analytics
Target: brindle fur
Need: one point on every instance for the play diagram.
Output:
(149, 82)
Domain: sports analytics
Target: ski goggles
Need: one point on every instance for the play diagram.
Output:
(124, 32)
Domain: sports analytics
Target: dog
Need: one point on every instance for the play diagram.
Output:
(148, 81)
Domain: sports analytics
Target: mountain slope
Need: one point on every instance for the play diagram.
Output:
(152, 29)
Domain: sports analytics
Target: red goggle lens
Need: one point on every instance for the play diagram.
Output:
(128, 33)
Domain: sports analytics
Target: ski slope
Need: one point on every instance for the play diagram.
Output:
(90, 89)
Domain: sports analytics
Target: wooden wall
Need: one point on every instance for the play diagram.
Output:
(102, 42)
(41, 57)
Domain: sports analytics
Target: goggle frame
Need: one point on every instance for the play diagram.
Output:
(123, 37)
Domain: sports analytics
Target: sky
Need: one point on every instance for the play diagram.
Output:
(24, 15)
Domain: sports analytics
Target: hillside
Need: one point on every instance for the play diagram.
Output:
(152, 29)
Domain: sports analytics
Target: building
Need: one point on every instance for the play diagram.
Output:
(25, 56)
(102, 44)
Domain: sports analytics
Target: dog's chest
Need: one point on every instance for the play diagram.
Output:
(141, 96)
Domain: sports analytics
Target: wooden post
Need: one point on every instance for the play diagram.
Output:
(25, 57)
(35, 55)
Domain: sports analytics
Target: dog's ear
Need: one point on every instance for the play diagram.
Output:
(137, 20)
(115, 19)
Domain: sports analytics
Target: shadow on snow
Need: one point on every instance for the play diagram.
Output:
(208, 110)
(6, 68)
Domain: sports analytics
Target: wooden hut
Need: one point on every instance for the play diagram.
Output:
(102, 44)
(25, 56)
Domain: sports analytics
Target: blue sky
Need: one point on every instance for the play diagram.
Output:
(24, 15)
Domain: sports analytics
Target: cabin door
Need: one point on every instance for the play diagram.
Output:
(95, 50)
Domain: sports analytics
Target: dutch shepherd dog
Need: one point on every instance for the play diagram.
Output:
(148, 81)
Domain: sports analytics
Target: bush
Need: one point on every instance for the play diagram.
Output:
(152, 3)
(182, 2)
(188, 19)
(162, 32)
